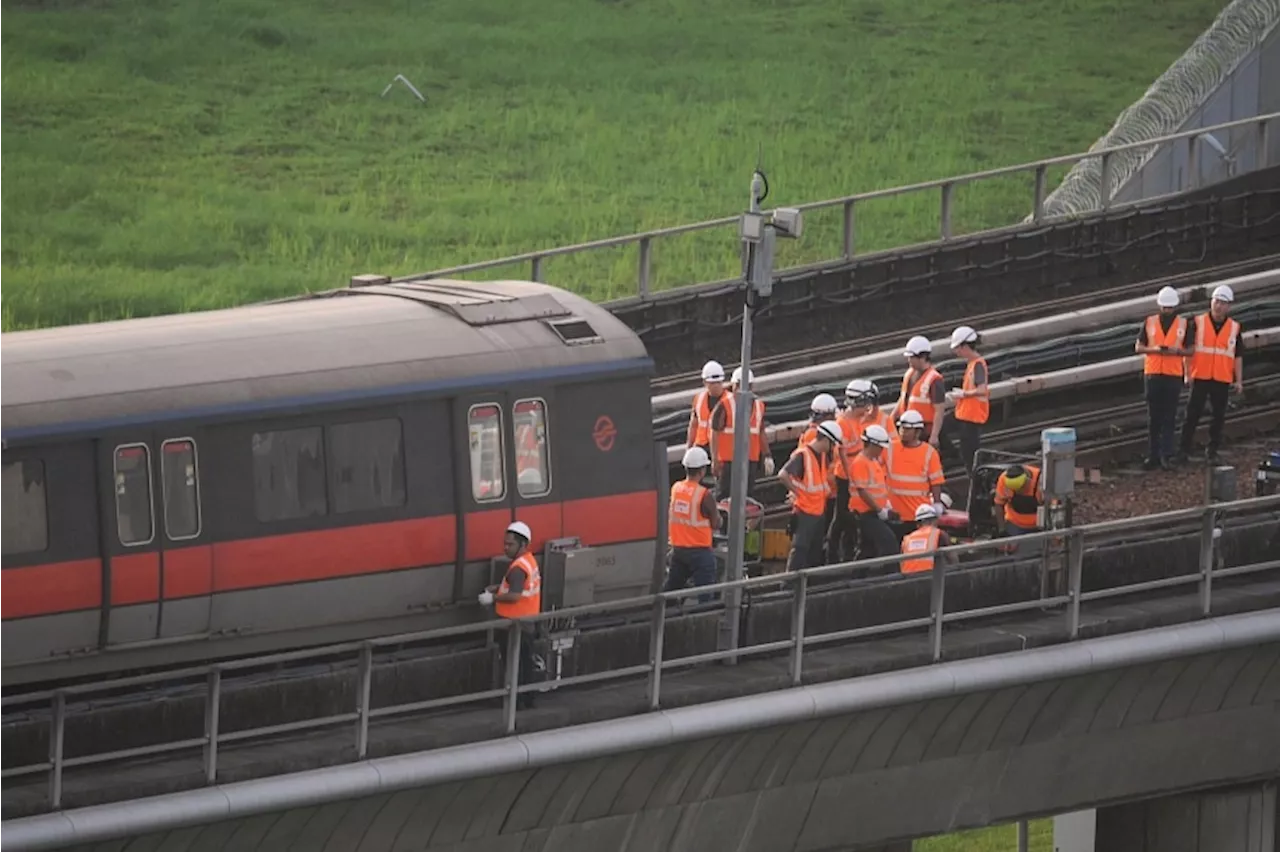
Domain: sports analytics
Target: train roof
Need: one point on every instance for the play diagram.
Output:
(366, 340)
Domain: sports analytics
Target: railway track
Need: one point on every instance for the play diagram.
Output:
(875, 343)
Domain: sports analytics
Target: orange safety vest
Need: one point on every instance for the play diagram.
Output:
(530, 602)
(853, 426)
(974, 409)
(869, 476)
(686, 525)
(915, 395)
(724, 438)
(910, 473)
(702, 411)
(1215, 352)
(921, 543)
(1020, 506)
(1164, 365)
(812, 498)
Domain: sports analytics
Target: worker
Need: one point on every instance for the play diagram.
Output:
(922, 543)
(869, 495)
(692, 519)
(1217, 367)
(1163, 340)
(861, 409)
(913, 471)
(517, 596)
(822, 409)
(923, 388)
(705, 402)
(758, 457)
(1020, 492)
(973, 399)
(805, 478)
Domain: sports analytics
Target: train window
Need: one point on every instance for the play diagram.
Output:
(181, 494)
(533, 462)
(135, 520)
(25, 512)
(575, 331)
(484, 431)
(288, 474)
(367, 460)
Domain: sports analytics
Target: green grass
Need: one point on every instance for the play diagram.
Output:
(1001, 838)
(168, 155)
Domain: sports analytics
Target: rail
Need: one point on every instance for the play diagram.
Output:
(1065, 547)
(851, 204)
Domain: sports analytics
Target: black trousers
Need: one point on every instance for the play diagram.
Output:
(842, 535)
(806, 541)
(726, 478)
(970, 437)
(875, 537)
(1215, 393)
(1162, 414)
(526, 672)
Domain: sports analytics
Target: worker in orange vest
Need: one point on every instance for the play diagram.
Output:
(692, 519)
(869, 495)
(1163, 340)
(1019, 492)
(805, 476)
(913, 471)
(518, 595)
(1217, 367)
(758, 454)
(922, 543)
(923, 388)
(861, 410)
(705, 402)
(822, 409)
(973, 398)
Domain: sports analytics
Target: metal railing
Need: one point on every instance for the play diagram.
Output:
(1062, 551)
(851, 204)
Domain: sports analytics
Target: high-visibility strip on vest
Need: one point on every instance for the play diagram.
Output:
(916, 395)
(853, 426)
(1164, 365)
(1215, 351)
(724, 437)
(911, 471)
(702, 412)
(974, 409)
(530, 602)
(921, 543)
(1020, 507)
(813, 487)
(869, 476)
(686, 525)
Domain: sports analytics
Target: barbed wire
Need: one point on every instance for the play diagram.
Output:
(1167, 104)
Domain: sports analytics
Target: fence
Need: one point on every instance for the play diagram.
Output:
(851, 204)
(1071, 542)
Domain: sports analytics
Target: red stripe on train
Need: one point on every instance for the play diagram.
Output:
(135, 578)
(46, 589)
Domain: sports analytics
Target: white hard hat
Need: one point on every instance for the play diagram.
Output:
(712, 372)
(918, 346)
(911, 420)
(859, 388)
(823, 403)
(946, 500)
(875, 434)
(521, 529)
(831, 429)
(695, 458)
(736, 378)
(1223, 293)
(1167, 297)
(963, 335)
(925, 512)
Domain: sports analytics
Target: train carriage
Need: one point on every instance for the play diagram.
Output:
(311, 470)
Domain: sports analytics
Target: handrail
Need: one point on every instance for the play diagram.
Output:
(1071, 542)
(645, 239)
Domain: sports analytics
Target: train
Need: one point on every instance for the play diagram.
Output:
(317, 469)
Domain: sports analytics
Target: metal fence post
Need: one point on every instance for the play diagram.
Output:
(1207, 529)
(1260, 161)
(850, 246)
(362, 700)
(1193, 162)
(535, 272)
(642, 277)
(1104, 182)
(212, 707)
(513, 674)
(798, 604)
(945, 214)
(937, 587)
(1024, 836)
(57, 723)
(1037, 208)
(657, 628)
(1075, 573)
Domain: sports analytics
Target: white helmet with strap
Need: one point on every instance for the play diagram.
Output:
(736, 378)
(823, 403)
(521, 529)
(926, 512)
(875, 435)
(712, 372)
(911, 420)
(831, 430)
(918, 346)
(695, 458)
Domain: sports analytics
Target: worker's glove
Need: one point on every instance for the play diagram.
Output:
(486, 599)
(939, 508)
(883, 514)
(768, 465)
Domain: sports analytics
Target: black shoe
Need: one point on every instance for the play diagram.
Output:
(1150, 464)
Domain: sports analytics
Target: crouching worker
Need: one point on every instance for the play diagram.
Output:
(519, 594)
(922, 542)
(1019, 493)
(869, 496)
(805, 476)
(691, 520)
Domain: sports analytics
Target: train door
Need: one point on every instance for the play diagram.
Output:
(486, 485)
(157, 562)
(537, 502)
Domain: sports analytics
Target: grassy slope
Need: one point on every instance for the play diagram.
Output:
(163, 156)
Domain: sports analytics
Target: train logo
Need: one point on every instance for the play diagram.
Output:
(604, 433)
